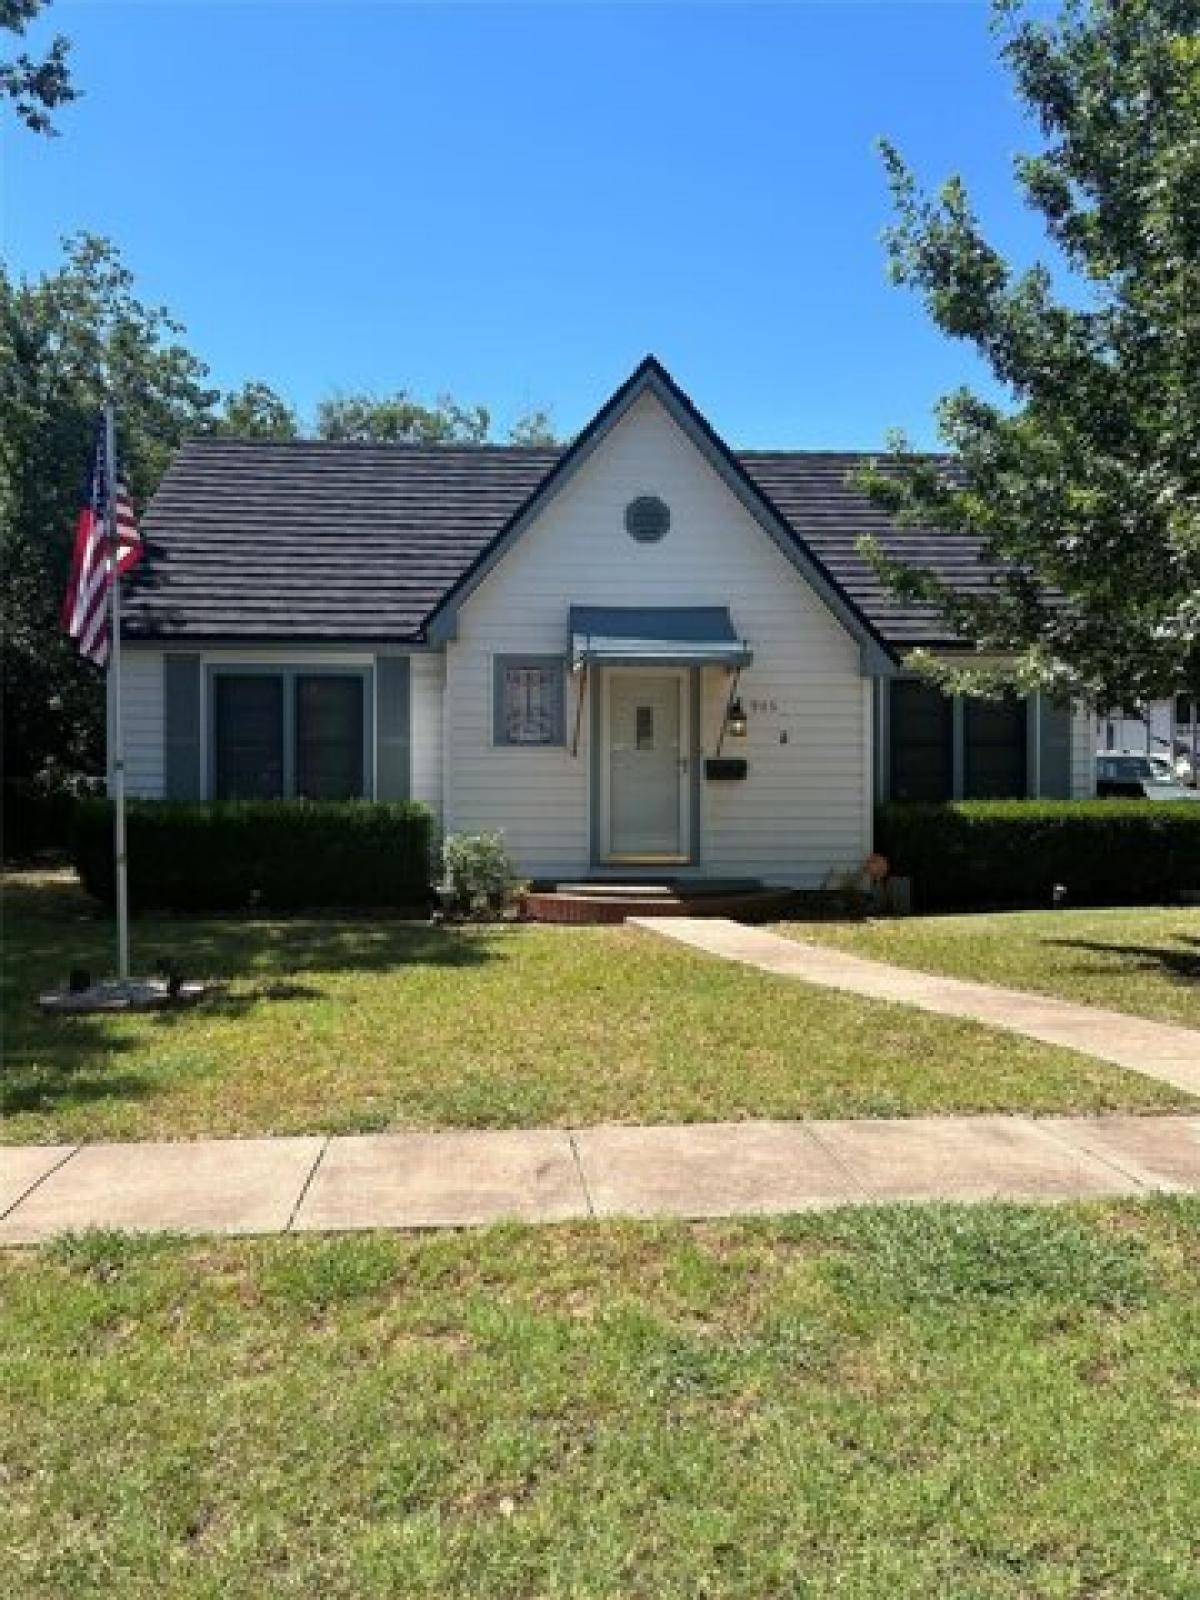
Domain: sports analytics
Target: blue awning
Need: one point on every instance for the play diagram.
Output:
(668, 636)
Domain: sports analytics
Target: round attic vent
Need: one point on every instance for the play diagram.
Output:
(647, 518)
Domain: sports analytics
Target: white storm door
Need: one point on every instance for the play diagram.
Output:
(647, 767)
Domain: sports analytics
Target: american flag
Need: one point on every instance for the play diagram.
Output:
(85, 606)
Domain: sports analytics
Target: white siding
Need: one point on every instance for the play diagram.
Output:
(428, 672)
(1083, 754)
(142, 716)
(804, 808)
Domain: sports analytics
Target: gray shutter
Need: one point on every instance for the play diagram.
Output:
(181, 731)
(1056, 751)
(393, 686)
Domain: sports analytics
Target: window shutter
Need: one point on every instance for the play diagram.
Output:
(393, 756)
(181, 727)
(1055, 761)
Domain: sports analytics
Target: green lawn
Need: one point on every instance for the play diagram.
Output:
(1145, 961)
(369, 1025)
(997, 1403)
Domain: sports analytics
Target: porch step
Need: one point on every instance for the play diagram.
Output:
(661, 889)
(609, 903)
(602, 891)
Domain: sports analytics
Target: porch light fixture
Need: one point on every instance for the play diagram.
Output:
(735, 720)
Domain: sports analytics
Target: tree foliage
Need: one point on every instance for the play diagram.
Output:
(35, 85)
(534, 428)
(361, 418)
(255, 411)
(1086, 488)
(67, 340)
(61, 339)
(398, 418)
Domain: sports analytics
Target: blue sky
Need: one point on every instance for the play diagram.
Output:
(515, 203)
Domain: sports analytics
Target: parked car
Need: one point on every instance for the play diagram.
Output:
(1185, 771)
(1139, 778)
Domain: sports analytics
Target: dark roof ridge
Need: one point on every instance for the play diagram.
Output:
(406, 446)
(502, 447)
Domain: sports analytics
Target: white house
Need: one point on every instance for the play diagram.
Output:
(645, 653)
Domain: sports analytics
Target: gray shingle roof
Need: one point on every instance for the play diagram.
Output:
(265, 541)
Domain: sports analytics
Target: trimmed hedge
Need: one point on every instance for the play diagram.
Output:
(280, 855)
(978, 853)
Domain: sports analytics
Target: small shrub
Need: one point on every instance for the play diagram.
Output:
(976, 853)
(478, 870)
(277, 855)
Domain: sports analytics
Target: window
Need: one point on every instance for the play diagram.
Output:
(529, 700)
(1183, 709)
(994, 749)
(647, 519)
(922, 741)
(941, 748)
(249, 737)
(289, 734)
(329, 737)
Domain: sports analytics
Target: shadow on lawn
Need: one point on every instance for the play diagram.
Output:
(1180, 962)
(50, 927)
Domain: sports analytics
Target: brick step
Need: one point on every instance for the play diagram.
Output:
(749, 905)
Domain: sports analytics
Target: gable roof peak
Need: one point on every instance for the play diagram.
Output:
(441, 623)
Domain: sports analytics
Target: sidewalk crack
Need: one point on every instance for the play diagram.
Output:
(839, 1161)
(307, 1185)
(1078, 1146)
(583, 1183)
(38, 1182)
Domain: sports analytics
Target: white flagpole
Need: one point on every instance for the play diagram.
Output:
(117, 731)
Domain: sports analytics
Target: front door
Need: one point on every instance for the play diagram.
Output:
(645, 792)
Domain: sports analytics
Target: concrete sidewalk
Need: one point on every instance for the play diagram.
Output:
(1162, 1050)
(463, 1179)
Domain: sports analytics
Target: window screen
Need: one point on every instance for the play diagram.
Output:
(922, 742)
(248, 737)
(530, 709)
(994, 752)
(329, 737)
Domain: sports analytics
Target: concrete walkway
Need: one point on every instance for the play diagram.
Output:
(462, 1179)
(1160, 1050)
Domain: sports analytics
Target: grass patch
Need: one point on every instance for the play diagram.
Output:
(852, 1404)
(1146, 962)
(1010, 1253)
(352, 1025)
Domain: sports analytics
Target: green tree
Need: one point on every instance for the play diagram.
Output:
(399, 419)
(534, 428)
(255, 411)
(34, 85)
(63, 340)
(1085, 487)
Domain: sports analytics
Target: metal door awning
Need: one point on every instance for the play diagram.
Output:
(667, 636)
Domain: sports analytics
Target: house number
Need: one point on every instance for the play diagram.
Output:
(764, 705)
